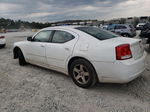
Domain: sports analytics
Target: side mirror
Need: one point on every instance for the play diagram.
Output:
(29, 38)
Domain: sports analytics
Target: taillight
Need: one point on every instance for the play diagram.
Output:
(123, 52)
(2, 37)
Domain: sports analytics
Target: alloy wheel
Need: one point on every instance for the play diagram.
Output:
(81, 74)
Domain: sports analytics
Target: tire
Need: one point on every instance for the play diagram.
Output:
(3, 46)
(83, 73)
(21, 58)
(148, 41)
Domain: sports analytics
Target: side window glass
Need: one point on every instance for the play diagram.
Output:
(111, 27)
(61, 37)
(120, 27)
(43, 36)
(123, 27)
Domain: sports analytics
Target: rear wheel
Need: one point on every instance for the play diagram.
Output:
(21, 58)
(83, 73)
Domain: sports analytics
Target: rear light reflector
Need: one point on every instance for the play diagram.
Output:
(123, 52)
(2, 37)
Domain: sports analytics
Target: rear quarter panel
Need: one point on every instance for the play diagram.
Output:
(94, 49)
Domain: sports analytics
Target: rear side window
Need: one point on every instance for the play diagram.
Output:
(62, 37)
(97, 33)
(110, 27)
(120, 27)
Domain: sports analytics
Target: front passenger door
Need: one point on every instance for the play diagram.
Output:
(37, 48)
(60, 49)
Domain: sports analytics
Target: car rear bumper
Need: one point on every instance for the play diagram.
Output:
(120, 71)
(2, 41)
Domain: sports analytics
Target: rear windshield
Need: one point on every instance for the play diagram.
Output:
(97, 33)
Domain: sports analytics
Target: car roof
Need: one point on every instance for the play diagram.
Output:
(62, 27)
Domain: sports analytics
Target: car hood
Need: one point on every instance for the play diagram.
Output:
(20, 43)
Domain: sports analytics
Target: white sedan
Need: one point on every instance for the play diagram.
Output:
(87, 54)
(2, 41)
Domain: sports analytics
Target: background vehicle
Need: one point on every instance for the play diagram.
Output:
(140, 26)
(125, 30)
(87, 54)
(2, 41)
(3, 30)
(104, 27)
(145, 33)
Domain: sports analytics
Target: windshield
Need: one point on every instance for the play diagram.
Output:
(97, 33)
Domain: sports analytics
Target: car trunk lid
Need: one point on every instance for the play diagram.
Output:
(137, 49)
(136, 45)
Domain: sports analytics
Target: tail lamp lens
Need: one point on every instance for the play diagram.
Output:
(123, 52)
(2, 37)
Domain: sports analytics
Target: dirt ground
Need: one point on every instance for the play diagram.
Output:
(35, 89)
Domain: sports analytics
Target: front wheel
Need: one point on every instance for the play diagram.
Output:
(21, 58)
(83, 73)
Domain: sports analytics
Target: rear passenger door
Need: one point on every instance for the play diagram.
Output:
(60, 49)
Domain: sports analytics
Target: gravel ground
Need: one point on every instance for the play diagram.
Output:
(34, 89)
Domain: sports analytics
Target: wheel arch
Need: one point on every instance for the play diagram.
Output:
(15, 51)
(79, 57)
